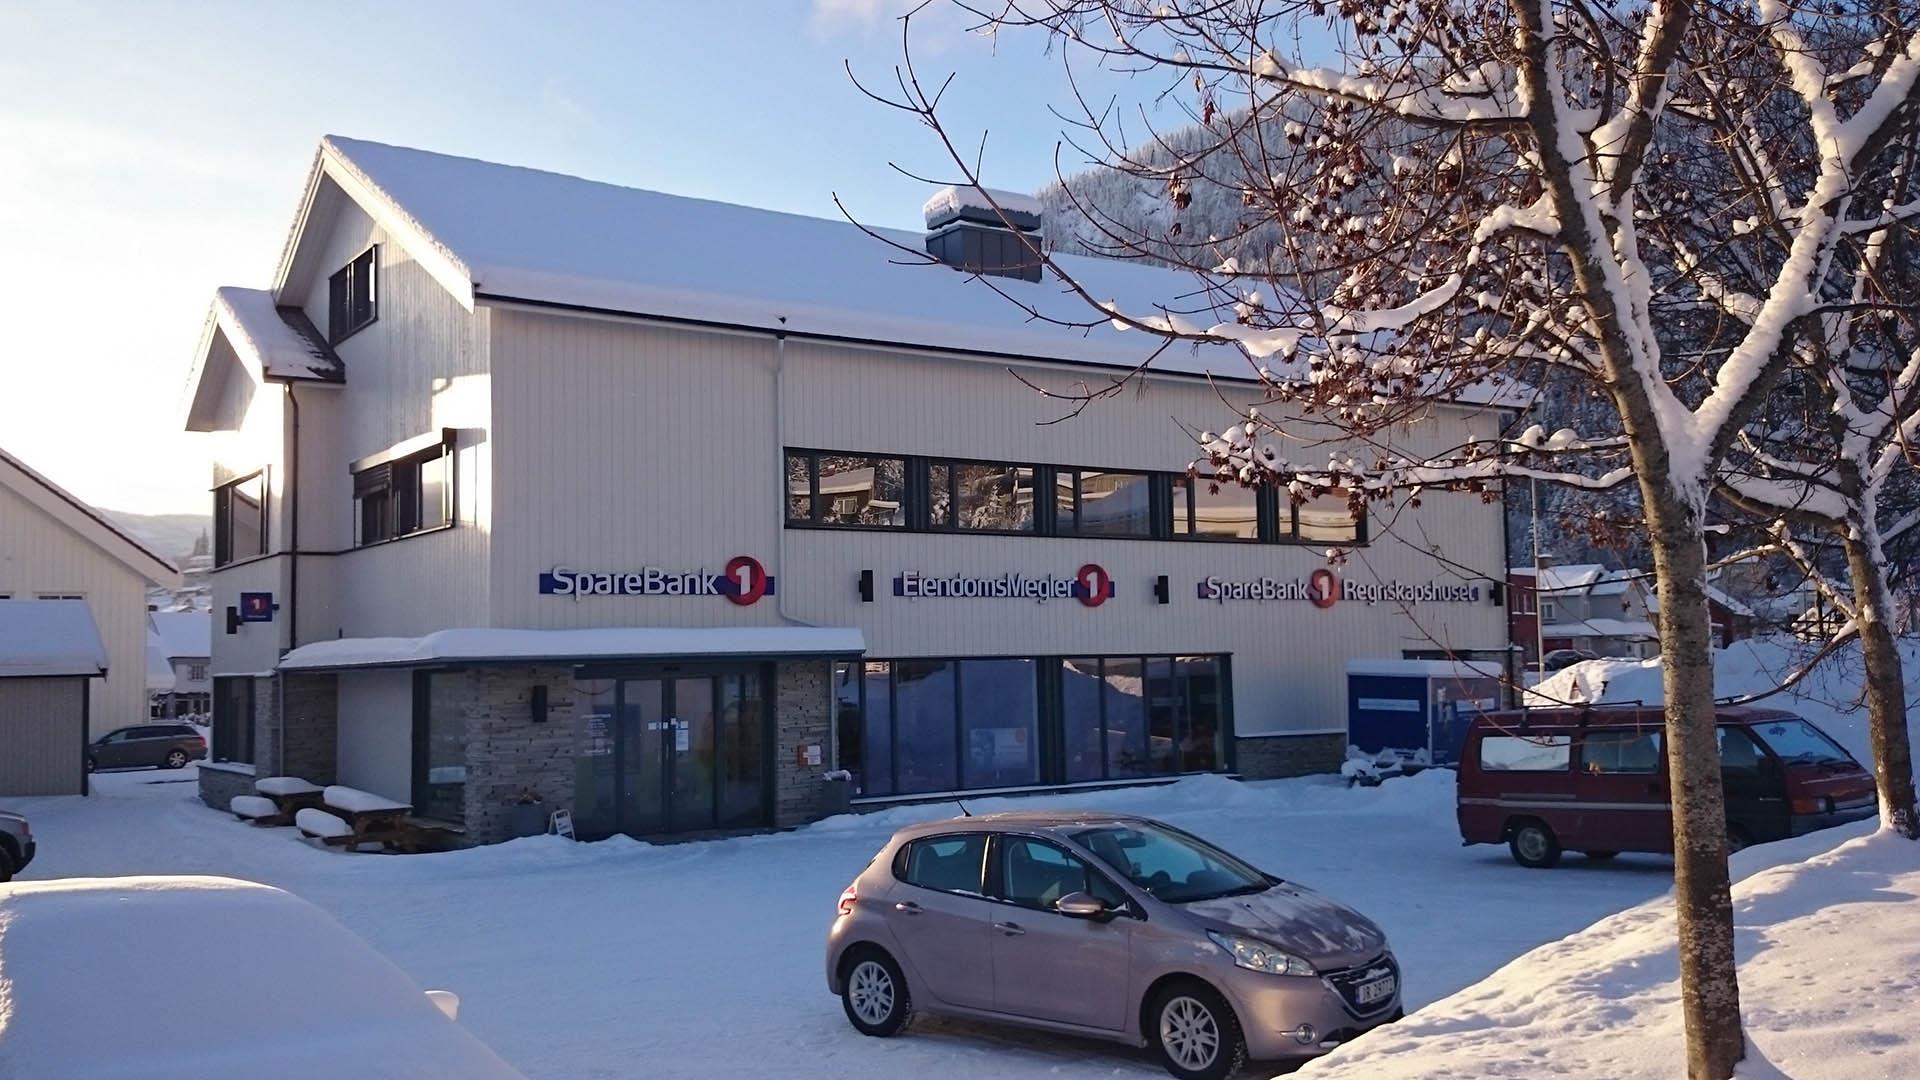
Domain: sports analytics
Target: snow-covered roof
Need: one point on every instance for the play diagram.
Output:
(499, 232)
(606, 643)
(93, 990)
(282, 341)
(43, 638)
(1590, 578)
(91, 524)
(159, 666)
(184, 634)
(957, 197)
(1591, 628)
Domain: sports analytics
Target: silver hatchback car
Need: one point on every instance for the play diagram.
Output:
(1111, 926)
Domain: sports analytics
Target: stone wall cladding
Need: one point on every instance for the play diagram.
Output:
(508, 754)
(803, 716)
(219, 786)
(310, 728)
(1274, 756)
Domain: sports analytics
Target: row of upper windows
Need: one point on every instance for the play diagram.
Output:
(837, 490)
(391, 499)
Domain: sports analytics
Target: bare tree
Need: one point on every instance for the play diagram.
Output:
(1460, 197)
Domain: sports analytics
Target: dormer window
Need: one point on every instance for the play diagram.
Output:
(352, 297)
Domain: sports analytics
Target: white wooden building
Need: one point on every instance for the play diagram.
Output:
(55, 547)
(659, 509)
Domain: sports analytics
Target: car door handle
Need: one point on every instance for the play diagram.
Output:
(1009, 929)
(907, 907)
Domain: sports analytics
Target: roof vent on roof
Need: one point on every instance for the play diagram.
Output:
(965, 230)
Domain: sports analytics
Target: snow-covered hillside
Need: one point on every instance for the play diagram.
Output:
(1828, 938)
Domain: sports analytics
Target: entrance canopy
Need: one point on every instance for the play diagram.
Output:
(48, 638)
(491, 645)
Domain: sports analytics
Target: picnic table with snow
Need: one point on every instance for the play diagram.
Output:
(367, 817)
(285, 795)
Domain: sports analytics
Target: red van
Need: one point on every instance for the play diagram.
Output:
(1594, 780)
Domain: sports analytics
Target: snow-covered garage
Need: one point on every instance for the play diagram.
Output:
(49, 649)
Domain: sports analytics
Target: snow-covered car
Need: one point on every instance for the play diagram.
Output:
(143, 978)
(16, 844)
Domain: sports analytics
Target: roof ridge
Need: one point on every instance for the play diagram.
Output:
(96, 516)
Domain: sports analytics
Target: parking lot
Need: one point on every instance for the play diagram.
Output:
(700, 959)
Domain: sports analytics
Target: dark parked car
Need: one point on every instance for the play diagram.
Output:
(162, 746)
(1561, 659)
(16, 844)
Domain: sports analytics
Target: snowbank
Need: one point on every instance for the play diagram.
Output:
(115, 979)
(1830, 696)
(1603, 1004)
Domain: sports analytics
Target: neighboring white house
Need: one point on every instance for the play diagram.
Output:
(665, 511)
(183, 642)
(55, 547)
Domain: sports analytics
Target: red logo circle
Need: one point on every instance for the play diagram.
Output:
(1095, 584)
(746, 580)
(1326, 588)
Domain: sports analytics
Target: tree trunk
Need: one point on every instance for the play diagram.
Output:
(1703, 901)
(1886, 685)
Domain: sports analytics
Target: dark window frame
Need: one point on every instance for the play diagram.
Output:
(1169, 503)
(394, 486)
(223, 553)
(905, 855)
(353, 296)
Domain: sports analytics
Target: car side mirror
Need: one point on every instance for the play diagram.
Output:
(1079, 905)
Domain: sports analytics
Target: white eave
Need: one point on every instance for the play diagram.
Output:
(248, 335)
(498, 645)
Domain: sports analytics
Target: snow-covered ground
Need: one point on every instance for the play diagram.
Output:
(704, 959)
(1829, 946)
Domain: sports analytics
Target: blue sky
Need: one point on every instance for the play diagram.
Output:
(154, 151)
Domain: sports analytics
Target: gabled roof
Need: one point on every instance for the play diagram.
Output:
(183, 634)
(92, 525)
(49, 638)
(501, 232)
(246, 332)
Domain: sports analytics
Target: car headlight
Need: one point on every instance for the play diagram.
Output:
(1255, 955)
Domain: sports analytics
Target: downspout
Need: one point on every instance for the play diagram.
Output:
(293, 577)
(780, 470)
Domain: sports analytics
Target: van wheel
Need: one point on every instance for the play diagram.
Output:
(875, 994)
(1196, 1033)
(1599, 856)
(1533, 845)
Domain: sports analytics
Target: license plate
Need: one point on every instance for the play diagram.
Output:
(1378, 990)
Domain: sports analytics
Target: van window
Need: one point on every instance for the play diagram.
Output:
(1800, 743)
(1525, 753)
(1739, 754)
(1620, 751)
(946, 863)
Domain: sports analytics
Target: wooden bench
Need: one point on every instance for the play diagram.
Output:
(372, 819)
(290, 795)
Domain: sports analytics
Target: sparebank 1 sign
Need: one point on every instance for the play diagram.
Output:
(1324, 588)
(742, 582)
(1091, 585)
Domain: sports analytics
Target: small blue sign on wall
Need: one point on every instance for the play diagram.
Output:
(257, 607)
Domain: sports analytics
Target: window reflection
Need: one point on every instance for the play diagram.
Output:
(1328, 519)
(1113, 504)
(1215, 509)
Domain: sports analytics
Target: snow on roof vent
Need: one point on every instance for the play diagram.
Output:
(984, 231)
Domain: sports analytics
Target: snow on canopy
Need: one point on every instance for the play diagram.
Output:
(608, 642)
(516, 233)
(44, 638)
(957, 197)
(284, 343)
(89, 988)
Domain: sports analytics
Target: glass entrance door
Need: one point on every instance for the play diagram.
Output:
(667, 755)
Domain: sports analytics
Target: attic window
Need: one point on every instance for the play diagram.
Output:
(352, 301)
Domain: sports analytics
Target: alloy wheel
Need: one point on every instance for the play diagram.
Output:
(1189, 1033)
(870, 991)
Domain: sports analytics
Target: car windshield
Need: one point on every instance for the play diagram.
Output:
(1170, 865)
(1800, 743)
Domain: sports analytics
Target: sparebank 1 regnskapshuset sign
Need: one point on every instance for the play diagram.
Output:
(743, 581)
(1324, 588)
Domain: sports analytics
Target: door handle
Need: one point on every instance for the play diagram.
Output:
(1009, 929)
(907, 907)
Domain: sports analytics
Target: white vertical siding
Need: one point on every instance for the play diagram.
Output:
(40, 555)
(618, 447)
(625, 445)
